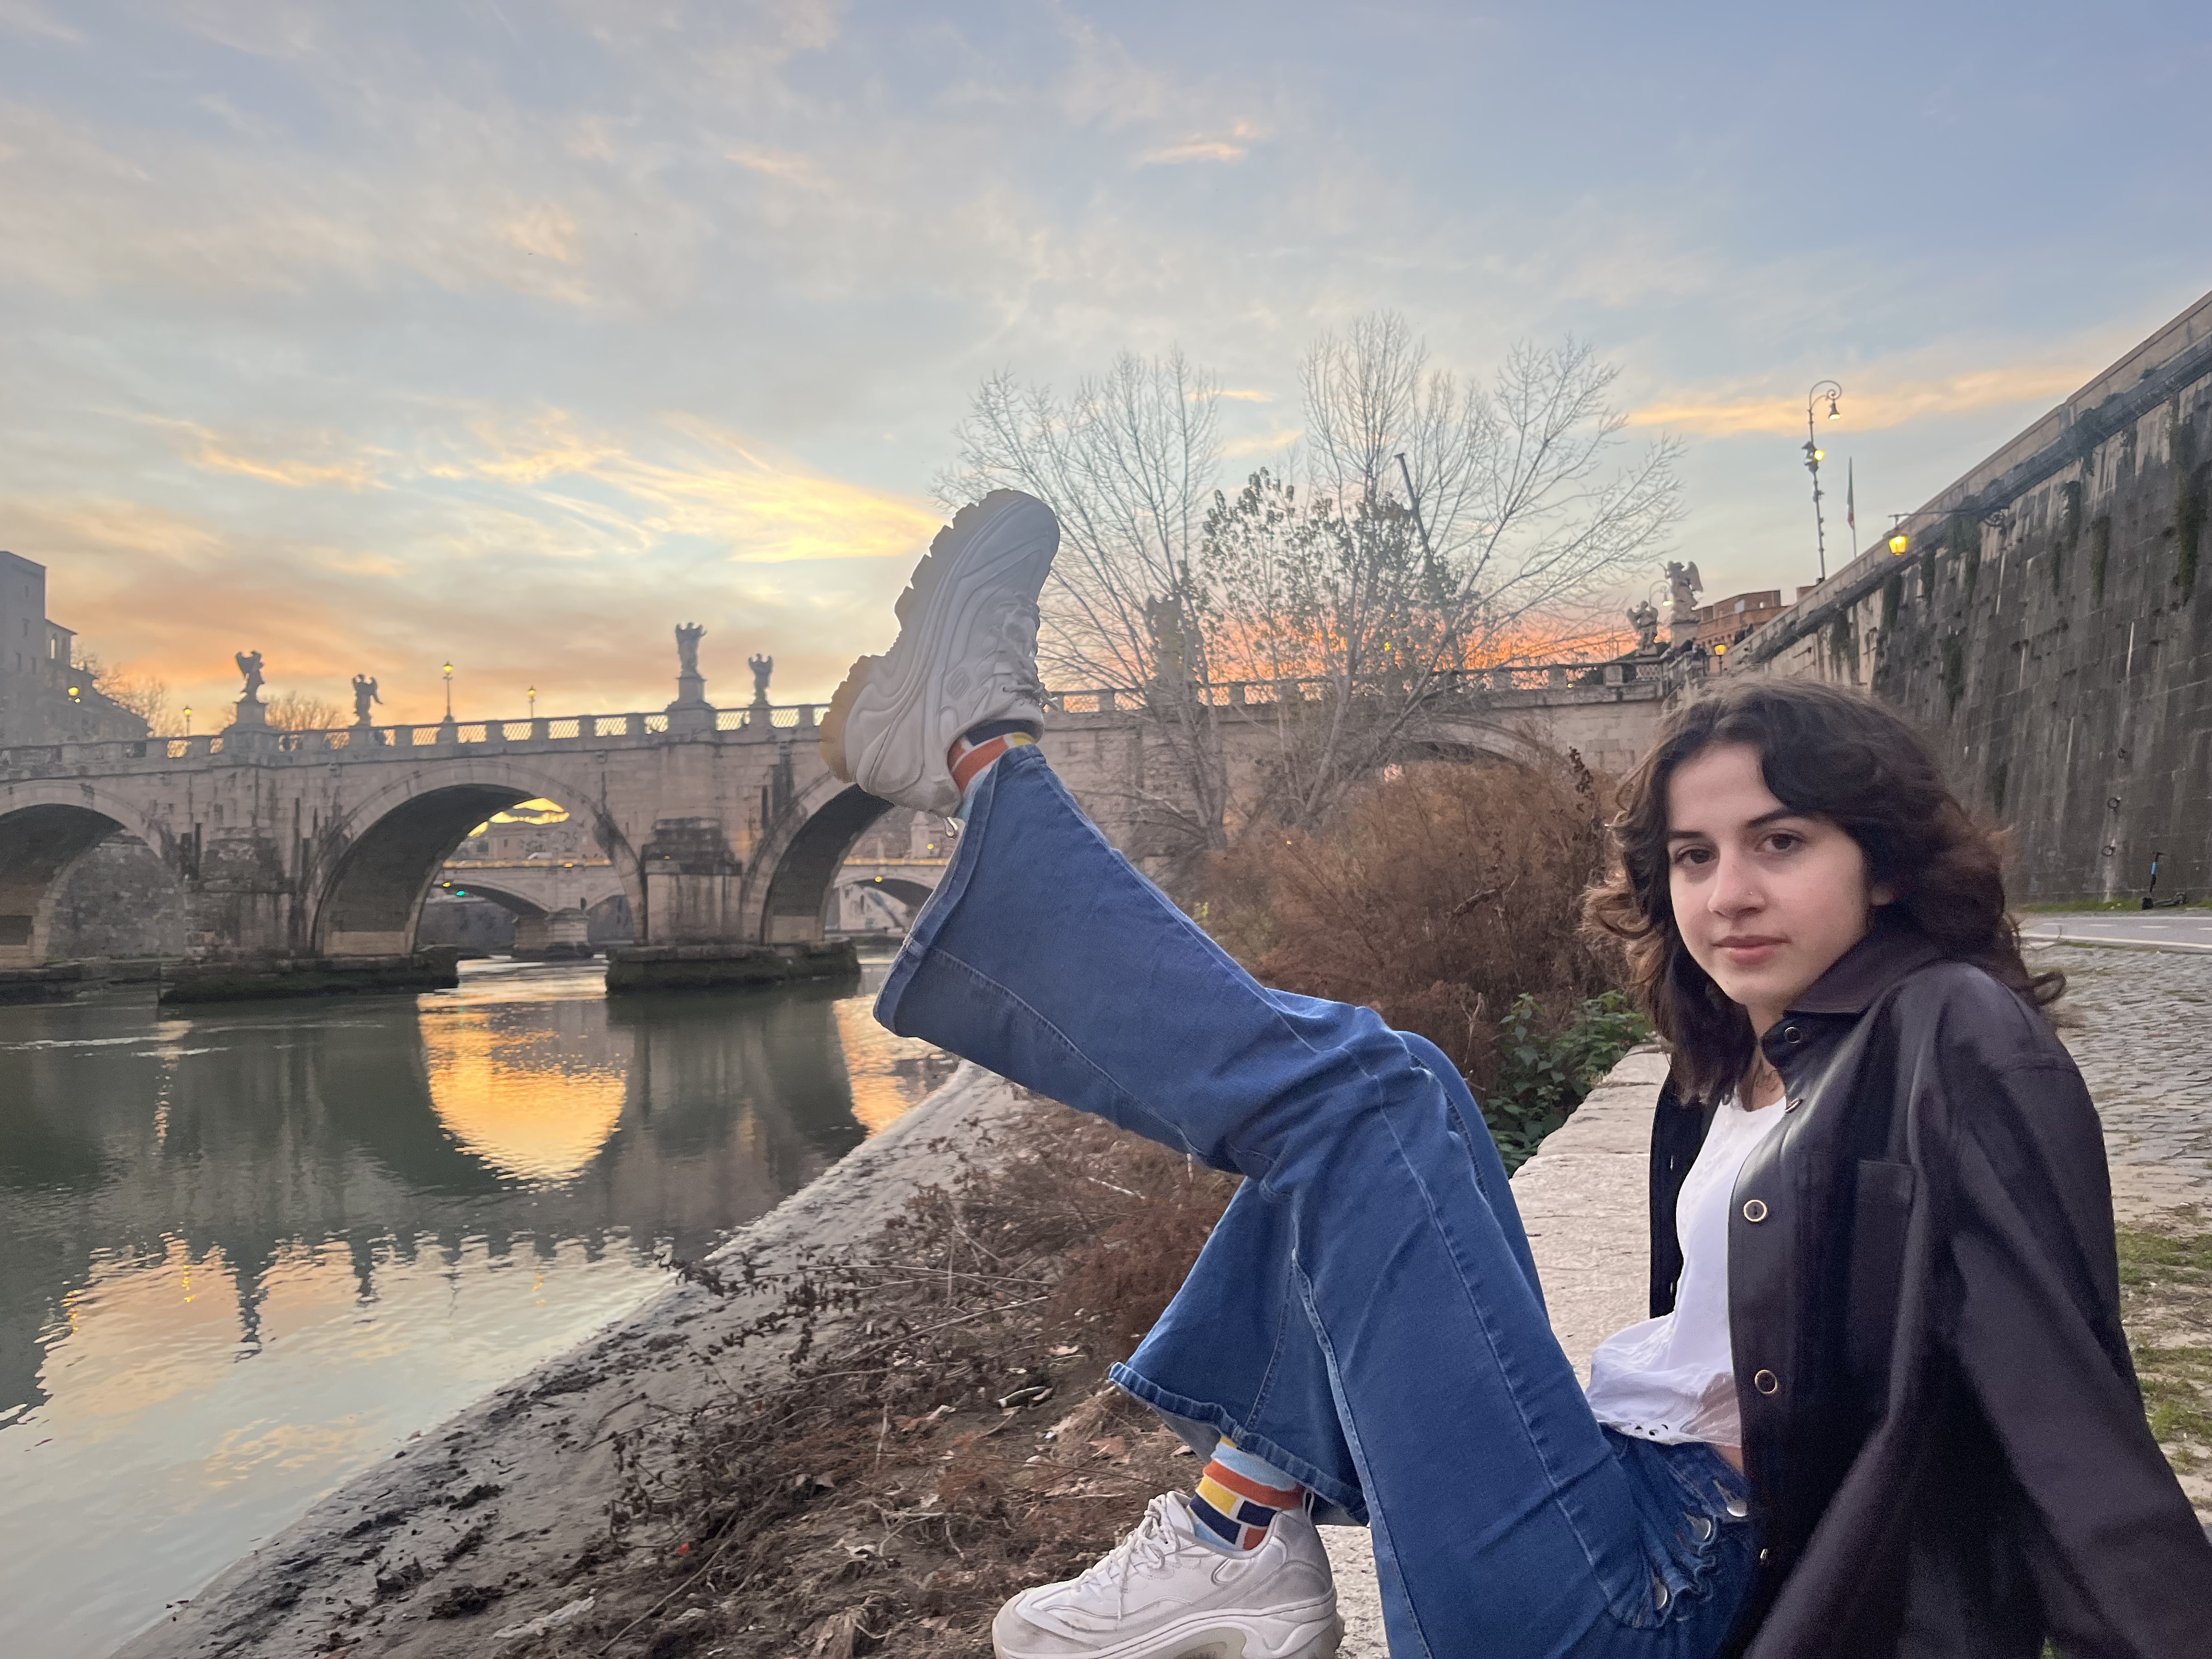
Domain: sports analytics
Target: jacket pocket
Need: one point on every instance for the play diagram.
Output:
(1882, 1211)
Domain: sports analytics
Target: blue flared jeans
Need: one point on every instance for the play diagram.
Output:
(1367, 1315)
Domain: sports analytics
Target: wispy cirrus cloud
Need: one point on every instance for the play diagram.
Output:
(1875, 403)
(1233, 146)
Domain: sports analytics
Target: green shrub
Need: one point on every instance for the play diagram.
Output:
(1544, 1073)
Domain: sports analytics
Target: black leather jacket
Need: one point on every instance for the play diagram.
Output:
(1942, 1430)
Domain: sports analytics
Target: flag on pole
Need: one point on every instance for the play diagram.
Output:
(1851, 506)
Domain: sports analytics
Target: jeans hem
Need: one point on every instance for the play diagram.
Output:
(1185, 1415)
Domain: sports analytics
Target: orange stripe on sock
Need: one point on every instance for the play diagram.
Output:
(966, 767)
(1276, 1497)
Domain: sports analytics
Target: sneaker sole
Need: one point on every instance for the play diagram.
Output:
(1206, 1638)
(933, 599)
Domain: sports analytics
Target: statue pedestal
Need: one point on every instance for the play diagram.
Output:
(690, 711)
(250, 730)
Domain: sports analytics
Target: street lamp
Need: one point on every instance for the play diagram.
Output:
(532, 695)
(1898, 543)
(188, 719)
(1815, 455)
(449, 691)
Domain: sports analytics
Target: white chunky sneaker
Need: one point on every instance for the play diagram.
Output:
(1162, 1594)
(965, 656)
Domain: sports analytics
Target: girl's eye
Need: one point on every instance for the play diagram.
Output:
(1693, 856)
(1784, 840)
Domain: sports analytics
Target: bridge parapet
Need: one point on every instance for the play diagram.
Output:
(365, 743)
(1652, 678)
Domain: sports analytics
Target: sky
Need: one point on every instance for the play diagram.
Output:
(514, 334)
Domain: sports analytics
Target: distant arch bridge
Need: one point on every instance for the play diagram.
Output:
(722, 829)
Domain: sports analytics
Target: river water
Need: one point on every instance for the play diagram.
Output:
(245, 1251)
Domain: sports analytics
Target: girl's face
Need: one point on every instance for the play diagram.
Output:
(1767, 899)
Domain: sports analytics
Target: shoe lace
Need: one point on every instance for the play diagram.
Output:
(1148, 1548)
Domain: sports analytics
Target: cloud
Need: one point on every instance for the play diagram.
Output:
(530, 547)
(32, 18)
(1265, 443)
(1894, 404)
(1234, 146)
(212, 453)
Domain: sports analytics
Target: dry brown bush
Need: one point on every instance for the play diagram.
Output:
(1438, 896)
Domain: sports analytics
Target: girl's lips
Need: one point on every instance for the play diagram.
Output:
(1749, 953)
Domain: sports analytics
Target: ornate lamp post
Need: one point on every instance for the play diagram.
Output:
(532, 695)
(188, 719)
(449, 693)
(1815, 455)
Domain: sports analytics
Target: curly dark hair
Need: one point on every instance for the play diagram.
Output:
(1831, 754)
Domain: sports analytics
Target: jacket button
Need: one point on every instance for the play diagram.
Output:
(1755, 1210)
(1792, 1033)
(1766, 1381)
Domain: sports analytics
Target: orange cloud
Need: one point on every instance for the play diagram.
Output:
(1891, 405)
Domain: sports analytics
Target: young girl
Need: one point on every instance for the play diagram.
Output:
(1883, 1404)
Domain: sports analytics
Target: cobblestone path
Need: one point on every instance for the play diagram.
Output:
(2139, 1024)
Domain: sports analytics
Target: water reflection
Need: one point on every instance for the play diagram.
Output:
(242, 1253)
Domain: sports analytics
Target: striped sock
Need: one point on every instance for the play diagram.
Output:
(1239, 1495)
(974, 751)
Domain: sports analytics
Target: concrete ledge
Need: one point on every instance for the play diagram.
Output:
(55, 982)
(251, 980)
(713, 967)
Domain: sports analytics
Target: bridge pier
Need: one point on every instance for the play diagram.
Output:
(555, 936)
(266, 977)
(716, 965)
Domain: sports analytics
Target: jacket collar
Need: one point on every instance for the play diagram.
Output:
(1892, 948)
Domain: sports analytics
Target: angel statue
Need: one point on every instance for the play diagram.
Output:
(761, 667)
(1644, 618)
(364, 693)
(688, 635)
(249, 664)
(1683, 588)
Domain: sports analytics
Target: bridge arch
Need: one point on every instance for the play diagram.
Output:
(794, 866)
(1460, 737)
(45, 828)
(383, 857)
(911, 894)
(514, 903)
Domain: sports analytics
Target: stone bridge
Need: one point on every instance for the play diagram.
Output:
(304, 855)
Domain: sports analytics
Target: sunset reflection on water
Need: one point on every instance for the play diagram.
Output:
(245, 1253)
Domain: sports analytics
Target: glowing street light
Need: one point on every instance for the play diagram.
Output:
(1898, 543)
(449, 691)
(1815, 455)
(188, 719)
(532, 695)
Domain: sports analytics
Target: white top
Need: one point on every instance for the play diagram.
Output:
(1673, 1379)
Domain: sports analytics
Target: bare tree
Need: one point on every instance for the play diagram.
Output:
(141, 695)
(1127, 462)
(301, 711)
(1386, 594)
(1423, 527)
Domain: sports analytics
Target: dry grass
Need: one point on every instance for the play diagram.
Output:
(1439, 896)
(947, 1438)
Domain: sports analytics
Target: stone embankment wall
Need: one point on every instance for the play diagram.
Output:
(2050, 624)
